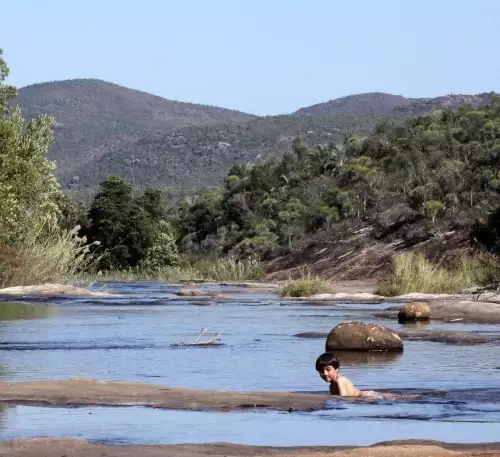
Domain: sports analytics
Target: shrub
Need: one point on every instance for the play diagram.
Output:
(45, 254)
(305, 287)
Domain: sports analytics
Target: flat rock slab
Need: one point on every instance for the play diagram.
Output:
(55, 447)
(367, 297)
(357, 297)
(55, 290)
(91, 392)
(447, 336)
(469, 311)
(425, 334)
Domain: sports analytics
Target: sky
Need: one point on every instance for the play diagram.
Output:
(260, 56)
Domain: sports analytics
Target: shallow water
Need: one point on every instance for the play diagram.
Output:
(152, 426)
(133, 338)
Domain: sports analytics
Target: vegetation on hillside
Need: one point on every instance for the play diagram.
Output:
(431, 173)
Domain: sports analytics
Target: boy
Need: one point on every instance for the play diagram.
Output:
(328, 367)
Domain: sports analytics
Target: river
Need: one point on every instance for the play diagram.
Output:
(139, 338)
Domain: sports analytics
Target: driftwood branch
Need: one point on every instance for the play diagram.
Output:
(214, 340)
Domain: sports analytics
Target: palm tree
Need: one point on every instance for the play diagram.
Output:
(322, 160)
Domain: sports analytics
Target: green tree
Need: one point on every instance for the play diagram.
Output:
(30, 194)
(120, 224)
(163, 252)
(7, 92)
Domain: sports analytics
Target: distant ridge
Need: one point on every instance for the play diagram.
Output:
(367, 104)
(104, 128)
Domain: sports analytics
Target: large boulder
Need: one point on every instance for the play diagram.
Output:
(358, 336)
(415, 311)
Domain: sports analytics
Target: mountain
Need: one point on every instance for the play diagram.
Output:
(103, 128)
(95, 116)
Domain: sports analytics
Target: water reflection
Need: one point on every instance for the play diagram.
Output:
(15, 311)
(417, 325)
(351, 358)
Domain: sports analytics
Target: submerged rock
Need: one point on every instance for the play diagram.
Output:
(359, 336)
(193, 293)
(311, 335)
(416, 311)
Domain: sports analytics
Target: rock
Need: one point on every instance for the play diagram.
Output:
(415, 311)
(342, 296)
(312, 335)
(395, 219)
(55, 290)
(470, 291)
(423, 296)
(359, 336)
(489, 297)
(192, 293)
(466, 311)
(447, 336)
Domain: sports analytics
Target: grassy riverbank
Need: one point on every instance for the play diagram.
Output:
(209, 270)
(412, 272)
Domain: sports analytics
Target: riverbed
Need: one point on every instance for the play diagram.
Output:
(140, 337)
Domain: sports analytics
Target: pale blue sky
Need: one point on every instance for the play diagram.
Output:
(264, 57)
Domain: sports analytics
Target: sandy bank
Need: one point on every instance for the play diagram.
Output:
(112, 393)
(55, 290)
(52, 447)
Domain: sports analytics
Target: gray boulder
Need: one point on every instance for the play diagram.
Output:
(359, 336)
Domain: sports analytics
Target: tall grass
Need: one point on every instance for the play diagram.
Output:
(45, 254)
(232, 270)
(412, 272)
(209, 270)
(306, 286)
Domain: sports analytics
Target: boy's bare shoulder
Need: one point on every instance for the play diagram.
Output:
(347, 388)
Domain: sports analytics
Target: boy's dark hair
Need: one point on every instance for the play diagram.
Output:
(325, 359)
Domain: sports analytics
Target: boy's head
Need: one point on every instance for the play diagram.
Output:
(328, 366)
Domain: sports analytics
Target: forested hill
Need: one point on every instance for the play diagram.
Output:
(95, 117)
(103, 129)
